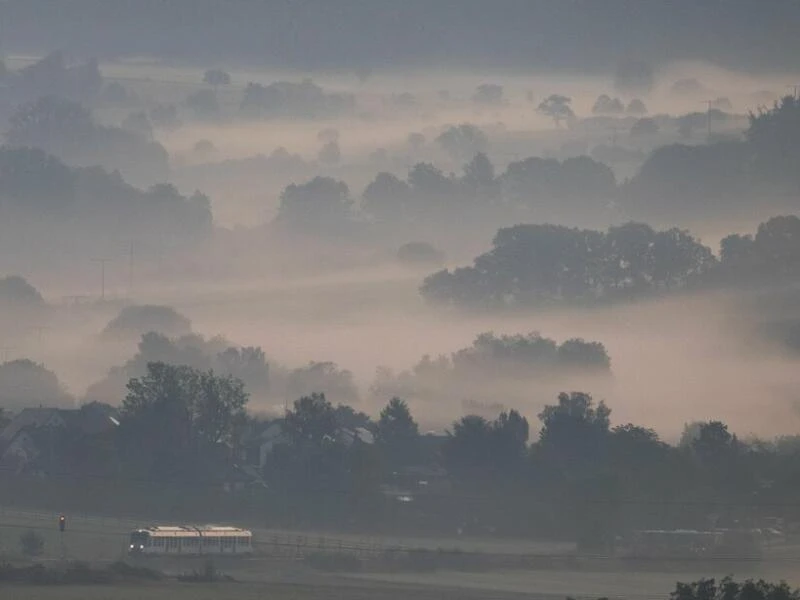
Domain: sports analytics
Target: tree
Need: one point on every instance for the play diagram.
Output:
(31, 544)
(16, 292)
(26, 384)
(216, 77)
(636, 107)
(50, 123)
(387, 199)
(605, 105)
(318, 205)
(477, 450)
(67, 130)
(426, 181)
(289, 99)
(139, 320)
(773, 139)
(177, 413)
(468, 447)
(479, 174)
(489, 94)
(330, 153)
(327, 377)
(574, 430)
(678, 180)
(558, 108)
(248, 364)
(397, 432)
(462, 142)
(728, 589)
(311, 421)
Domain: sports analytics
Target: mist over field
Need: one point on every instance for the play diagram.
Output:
(307, 297)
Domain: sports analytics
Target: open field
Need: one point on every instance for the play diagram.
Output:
(95, 538)
(243, 591)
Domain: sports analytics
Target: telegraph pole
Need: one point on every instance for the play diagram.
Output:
(102, 262)
(708, 117)
(130, 271)
(39, 329)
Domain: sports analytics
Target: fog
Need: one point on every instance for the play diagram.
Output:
(448, 286)
(346, 299)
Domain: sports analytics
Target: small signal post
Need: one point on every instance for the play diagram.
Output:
(62, 526)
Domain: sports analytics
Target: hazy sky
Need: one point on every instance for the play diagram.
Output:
(529, 34)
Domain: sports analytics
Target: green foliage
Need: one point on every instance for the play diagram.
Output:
(397, 433)
(321, 204)
(543, 264)
(140, 320)
(312, 421)
(16, 293)
(173, 415)
(728, 589)
(463, 142)
(289, 99)
(26, 384)
(67, 130)
(558, 108)
(478, 449)
(774, 137)
(204, 405)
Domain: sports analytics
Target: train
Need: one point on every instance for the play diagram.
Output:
(191, 540)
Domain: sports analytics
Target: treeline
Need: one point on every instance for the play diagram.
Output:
(184, 437)
(676, 183)
(47, 205)
(539, 265)
(514, 361)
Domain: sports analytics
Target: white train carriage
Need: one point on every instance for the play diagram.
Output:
(212, 540)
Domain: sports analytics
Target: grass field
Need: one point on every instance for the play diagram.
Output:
(97, 538)
(93, 538)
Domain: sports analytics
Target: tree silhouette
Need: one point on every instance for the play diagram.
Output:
(558, 108)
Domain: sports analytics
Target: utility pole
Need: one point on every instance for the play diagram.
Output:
(39, 329)
(130, 271)
(102, 262)
(708, 116)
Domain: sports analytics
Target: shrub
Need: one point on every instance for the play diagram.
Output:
(31, 544)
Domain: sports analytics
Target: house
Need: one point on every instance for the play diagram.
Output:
(31, 433)
(262, 440)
